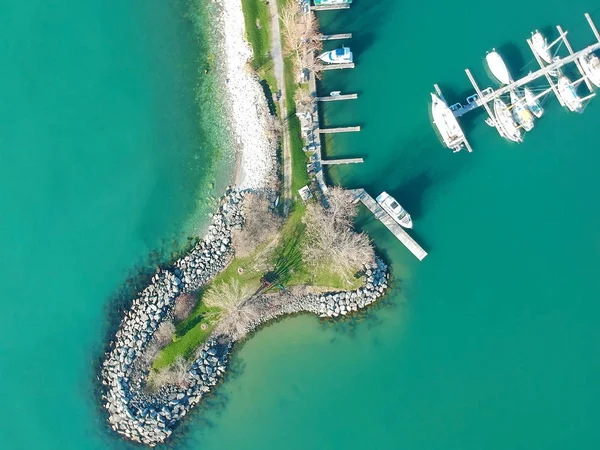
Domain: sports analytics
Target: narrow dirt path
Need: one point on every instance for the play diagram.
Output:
(277, 55)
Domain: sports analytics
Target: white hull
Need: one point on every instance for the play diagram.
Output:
(520, 112)
(569, 95)
(533, 104)
(591, 66)
(446, 124)
(505, 122)
(338, 56)
(540, 45)
(393, 208)
(498, 68)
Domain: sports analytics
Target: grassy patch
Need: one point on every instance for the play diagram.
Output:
(258, 30)
(189, 335)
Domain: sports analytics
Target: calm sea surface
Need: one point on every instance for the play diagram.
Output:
(491, 343)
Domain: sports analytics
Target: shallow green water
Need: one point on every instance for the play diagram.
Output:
(491, 342)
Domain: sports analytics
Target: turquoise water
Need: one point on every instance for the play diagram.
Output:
(491, 342)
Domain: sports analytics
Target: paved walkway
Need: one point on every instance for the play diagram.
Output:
(277, 55)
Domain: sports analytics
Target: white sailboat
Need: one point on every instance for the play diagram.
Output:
(541, 47)
(590, 64)
(505, 122)
(393, 208)
(532, 103)
(497, 67)
(520, 112)
(446, 124)
(568, 94)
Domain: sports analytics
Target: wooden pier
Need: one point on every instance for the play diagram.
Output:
(338, 66)
(339, 130)
(381, 215)
(334, 37)
(329, 7)
(331, 162)
(335, 98)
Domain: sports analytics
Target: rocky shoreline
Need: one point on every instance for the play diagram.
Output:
(149, 418)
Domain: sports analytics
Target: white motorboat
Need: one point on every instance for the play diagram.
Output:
(393, 208)
(497, 67)
(532, 103)
(568, 94)
(541, 47)
(446, 123)
(520, 112)
(506, 125)
(338, 56)
(591, 66)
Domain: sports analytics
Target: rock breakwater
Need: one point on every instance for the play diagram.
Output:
(149, 418)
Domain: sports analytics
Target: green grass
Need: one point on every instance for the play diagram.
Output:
(258, 30)
(189, 335)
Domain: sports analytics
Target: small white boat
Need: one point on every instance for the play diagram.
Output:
(338, 56)
(540, 45)
(446, 123)
(335, 93)
(532, 103)
(520, 112)
(497, 67)
(591, 66)
(568, 94)
(506, 125)
(393, 208)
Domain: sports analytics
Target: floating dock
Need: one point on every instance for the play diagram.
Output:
(335, 98)
(338, 66)
(339, 130)
(485, 96)
(334, 37)
(329, 7)
(360, 195)
(331, 162)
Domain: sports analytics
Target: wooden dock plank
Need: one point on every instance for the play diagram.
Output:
(333, 37)
(329, 7)
(335, 98)
(338, 66)
(339, 130)
(330, 162)
(390, 224)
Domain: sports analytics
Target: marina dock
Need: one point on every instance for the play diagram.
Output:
(338, 66)
(329, 7)
(334, 37)
(335, 98)
(380, 214)
(550, 70)
(339, 130)
(331, 162)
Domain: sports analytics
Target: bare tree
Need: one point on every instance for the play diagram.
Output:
(164, 334)
(175, 374)
(260, 225)
(300, 32)
(304, 100)
(330, 240)
(184, 305)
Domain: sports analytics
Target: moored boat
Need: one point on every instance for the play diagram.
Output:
(521, 113)
(338, 56)
(568, 94)
(540, 45)
(591, 66)
(446, 124)
(331, 2)
(393, 208)
(506, 124)
(532, 103)
(498, 67)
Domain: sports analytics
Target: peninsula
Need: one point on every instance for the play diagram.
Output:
(281, 242)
